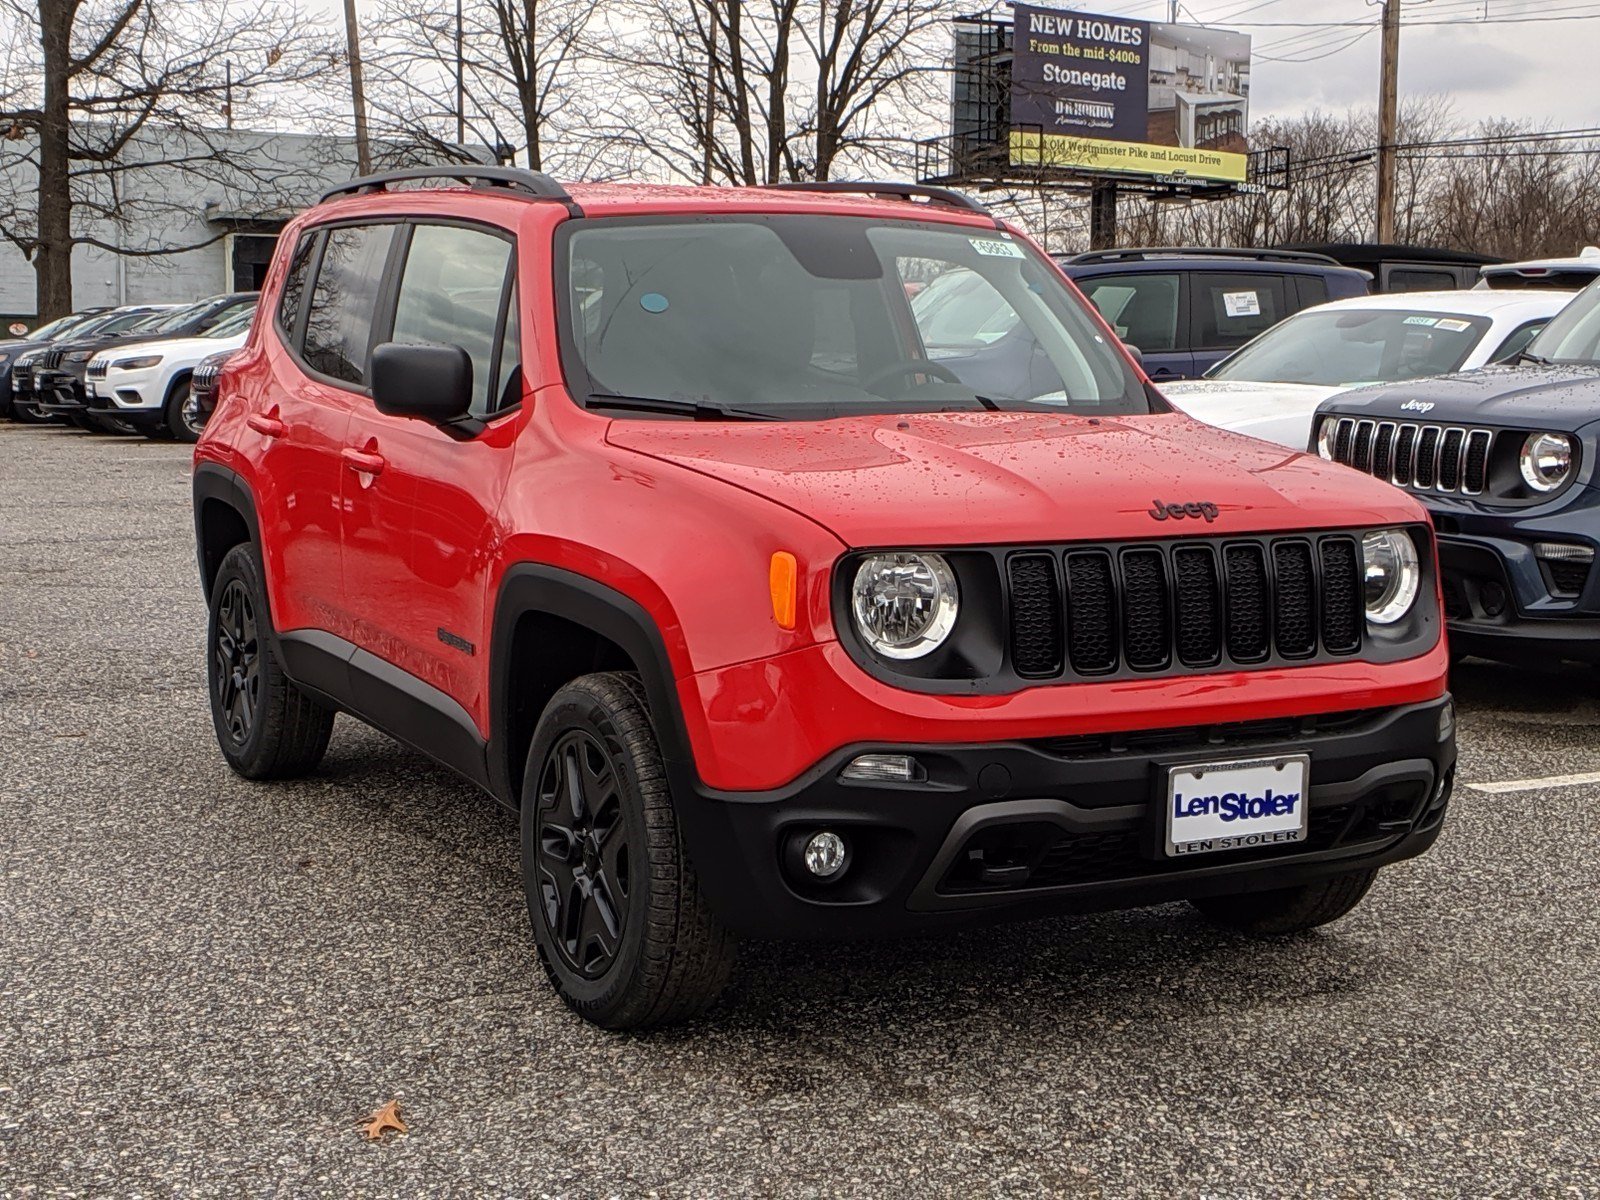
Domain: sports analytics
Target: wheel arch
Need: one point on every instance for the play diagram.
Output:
(224, 517)
(181, 375)
(552, 626)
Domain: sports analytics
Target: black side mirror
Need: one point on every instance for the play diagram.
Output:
(430, 382)
(1134, 352)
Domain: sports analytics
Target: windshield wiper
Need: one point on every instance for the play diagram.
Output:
(1540, 359)
(700, 410)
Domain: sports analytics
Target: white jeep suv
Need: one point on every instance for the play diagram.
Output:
(147, 384)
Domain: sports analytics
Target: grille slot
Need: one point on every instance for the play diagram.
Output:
(1092, 612)
(1383, 451)
(1146, 609)
(1343, 606)
(1405, 452)
(1199, 601)
(1423, 472)
(1295, 600)
(1036, 637)
(1475, 471)
(1246, 569)
(1450, 460)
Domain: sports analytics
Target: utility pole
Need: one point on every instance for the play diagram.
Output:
(358, 94)
(1388, 106)
(1172, 11)
(461, 84)
(711, 92)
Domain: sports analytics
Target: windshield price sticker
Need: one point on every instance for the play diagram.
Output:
(993, 248)
(1241, 304)
(1430, 322)
(1452, 325)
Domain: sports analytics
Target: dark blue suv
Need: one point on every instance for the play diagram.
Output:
(1186, 309)
(1505, 459)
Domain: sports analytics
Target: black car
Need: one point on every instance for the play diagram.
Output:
(15, 348)
(1505, 459)
(31, 367)
(59, 376)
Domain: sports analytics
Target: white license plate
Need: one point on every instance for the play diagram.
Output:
(1237, 805)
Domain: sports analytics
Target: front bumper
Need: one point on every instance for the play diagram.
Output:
(1503, 602)
(1030, 828)
(59, 393)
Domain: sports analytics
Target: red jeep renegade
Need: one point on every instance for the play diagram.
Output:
(800, 562)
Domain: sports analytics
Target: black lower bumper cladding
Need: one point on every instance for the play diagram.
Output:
(1023, 829)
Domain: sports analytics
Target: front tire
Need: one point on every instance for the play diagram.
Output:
(266, 726)
(622, 929)
(1288, 910)
(183, 419)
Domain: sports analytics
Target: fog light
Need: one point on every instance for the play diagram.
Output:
(1493, 598)
(883, 768)
(825, 854)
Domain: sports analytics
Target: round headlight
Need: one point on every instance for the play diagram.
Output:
(1325, 435)
(1546, 460)
(904, 604)
(1391, 573)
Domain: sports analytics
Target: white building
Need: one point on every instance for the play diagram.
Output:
(203, 215)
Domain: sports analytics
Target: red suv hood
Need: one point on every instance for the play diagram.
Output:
(968, 478)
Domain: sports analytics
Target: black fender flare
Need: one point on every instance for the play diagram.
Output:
(213, 481)
(540, 588)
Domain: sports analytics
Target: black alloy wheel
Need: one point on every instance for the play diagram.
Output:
(583, 863)
(238, 661)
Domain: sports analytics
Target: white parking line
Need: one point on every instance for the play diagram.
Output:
(1529, 785)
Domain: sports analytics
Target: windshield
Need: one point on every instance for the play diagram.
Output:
(169, 319)
(1335, 347)
(116, 322)
(1573, 335)
(805, 317)
(55, 328)
(232, 325)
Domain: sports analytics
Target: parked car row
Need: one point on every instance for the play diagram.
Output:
(123, 370)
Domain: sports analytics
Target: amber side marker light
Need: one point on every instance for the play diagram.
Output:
(784, 580)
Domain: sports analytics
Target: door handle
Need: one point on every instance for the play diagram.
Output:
(363, 461)
(267, 424)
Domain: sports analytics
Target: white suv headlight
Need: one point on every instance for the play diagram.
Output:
(1391, 573)
(904, 604)
(1546, 460)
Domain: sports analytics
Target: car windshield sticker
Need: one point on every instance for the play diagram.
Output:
(653, 302)
(995, 249)
(1430, 322)
(1452, 324)
(1241, 304)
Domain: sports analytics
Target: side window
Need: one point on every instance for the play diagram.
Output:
(294, 284)
(1518, 341)
(450, 294)
(1419, 279)
(1143, 309)
(1231, 308)
(343, 301)
(1313, 290)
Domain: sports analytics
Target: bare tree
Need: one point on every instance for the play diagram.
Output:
(120, 89)
(525, 75)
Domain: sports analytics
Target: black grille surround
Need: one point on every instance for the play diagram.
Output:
(1086, 613)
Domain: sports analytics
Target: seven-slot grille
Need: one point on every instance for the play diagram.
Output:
(1432, 458)
(1158, 606)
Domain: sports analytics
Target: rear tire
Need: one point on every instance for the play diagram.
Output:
(622, 928)
(266, 726)
(1288, 910)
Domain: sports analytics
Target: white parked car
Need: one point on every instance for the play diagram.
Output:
(1270, 387)
(1567, 274)
(147, 384)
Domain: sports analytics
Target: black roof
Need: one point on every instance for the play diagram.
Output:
(1372, 254)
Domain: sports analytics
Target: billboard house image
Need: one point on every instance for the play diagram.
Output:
(1108, 94)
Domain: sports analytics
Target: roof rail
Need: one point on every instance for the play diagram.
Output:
(535, 185)
(1147, 252)
(906, 191)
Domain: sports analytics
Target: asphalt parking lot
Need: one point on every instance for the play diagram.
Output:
(206, 985)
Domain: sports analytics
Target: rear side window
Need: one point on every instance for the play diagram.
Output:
(1420, 279)
(452, 293)
(294, 284)
(1230, 309)
(1143, 309)
(344, 300)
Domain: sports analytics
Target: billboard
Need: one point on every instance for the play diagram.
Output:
(1109, 94)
